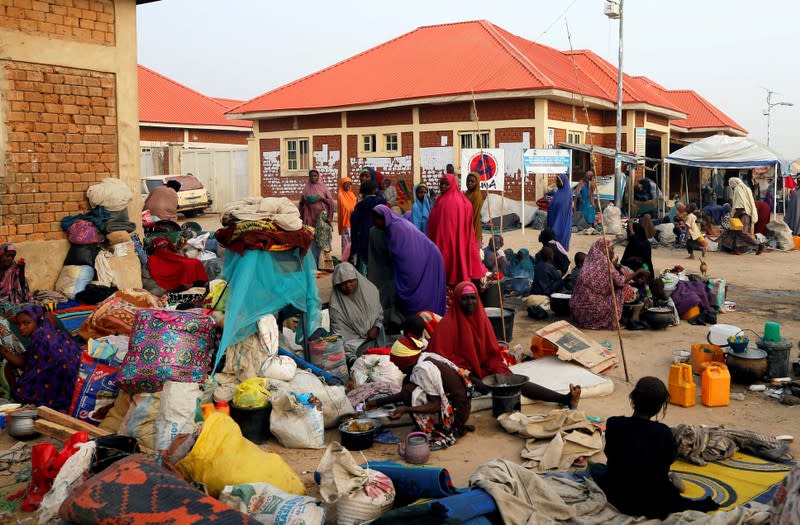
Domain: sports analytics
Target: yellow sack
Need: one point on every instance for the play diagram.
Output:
(222, 456)
(252, 393)
(217, 298)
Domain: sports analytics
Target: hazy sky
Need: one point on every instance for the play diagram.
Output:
(727, 50)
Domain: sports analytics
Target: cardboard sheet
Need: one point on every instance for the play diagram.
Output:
(574, 345)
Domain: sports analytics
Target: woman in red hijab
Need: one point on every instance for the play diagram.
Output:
(465, 337)
(450, 227)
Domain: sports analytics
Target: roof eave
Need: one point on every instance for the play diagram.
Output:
(550, 93)
(713, 129)
(213, 127)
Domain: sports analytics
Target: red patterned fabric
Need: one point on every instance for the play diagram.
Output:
(136, 490)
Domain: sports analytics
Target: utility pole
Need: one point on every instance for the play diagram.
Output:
(611, 12)
(768, 111)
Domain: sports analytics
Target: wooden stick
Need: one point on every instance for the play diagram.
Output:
(53, 430)
(489, 208)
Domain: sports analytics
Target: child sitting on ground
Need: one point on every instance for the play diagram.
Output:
(659, 299)
(636, 479)
(568, 283)
(546, 278)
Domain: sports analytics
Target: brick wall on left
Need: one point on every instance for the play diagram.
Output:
(61, 138)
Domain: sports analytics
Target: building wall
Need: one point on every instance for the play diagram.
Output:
(430, 138)
(68, 118)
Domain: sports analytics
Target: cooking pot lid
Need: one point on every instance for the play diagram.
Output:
(660, 310)
(750, 353)
(560, 296)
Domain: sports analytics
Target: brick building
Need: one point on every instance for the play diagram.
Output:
(175, 118)
(408, 107)
(68, 117)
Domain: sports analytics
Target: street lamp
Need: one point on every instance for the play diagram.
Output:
(613, 10)
(768, 111)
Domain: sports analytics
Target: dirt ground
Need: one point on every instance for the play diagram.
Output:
(764, 288)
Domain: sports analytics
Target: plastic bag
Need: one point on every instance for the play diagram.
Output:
(612, 216)
(73, 279)
(140, 420)
(280, 367)
(328, 354)
(296, 421)
(334, 400)
(95, 390)
(252, 393)
(175, 412)
(373, 368)
(222, 456)
(272, 506)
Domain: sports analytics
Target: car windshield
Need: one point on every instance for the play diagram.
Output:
(153, 184)
(188, 182)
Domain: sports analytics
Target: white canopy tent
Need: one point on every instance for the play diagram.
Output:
(722, 151)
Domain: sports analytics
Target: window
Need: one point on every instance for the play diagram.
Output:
(390, 142)
(574, 137)
(474, 139)
(368, 144)
(297, 158)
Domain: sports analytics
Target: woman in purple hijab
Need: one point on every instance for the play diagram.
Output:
(417, 264)
(559, 212)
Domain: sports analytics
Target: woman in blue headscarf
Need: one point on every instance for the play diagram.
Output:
(559, 212)
(422, 208)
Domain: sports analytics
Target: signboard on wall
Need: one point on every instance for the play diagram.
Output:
(605, 186)
(640, 143)
(546, 161)
(488, 163)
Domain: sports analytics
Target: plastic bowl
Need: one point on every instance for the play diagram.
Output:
(739, 345)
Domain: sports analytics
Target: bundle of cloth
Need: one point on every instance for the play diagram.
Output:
(279, 210)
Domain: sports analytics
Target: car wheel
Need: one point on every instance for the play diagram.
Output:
(190, 214)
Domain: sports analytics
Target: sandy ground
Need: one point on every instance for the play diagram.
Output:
(765, 289)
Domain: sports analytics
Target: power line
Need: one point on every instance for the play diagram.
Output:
(555, 21)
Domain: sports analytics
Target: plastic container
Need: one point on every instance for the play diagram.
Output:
(716, 387)
(253, 422)
(691, 313)
(772, 332)
(796, 240)
(542, 347)
(718, 334)
(497, 322)
(682, 390)
(703, 353)
(777, 356)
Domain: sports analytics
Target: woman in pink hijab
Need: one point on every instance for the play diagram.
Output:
(315, 198)
(452, 230)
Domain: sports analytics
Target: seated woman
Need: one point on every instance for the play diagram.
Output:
(636, 479)
(9, 343)
(465, 337)
(494, 259)
(639, 251)
(13, 285)
(592, 305)
(437, 393)
(48, 368)
(172, 271)
(356, 313)
(560, 255)
(546, 279)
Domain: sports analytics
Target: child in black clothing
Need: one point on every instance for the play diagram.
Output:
(568, 283)
(546, 278)
(637, 480)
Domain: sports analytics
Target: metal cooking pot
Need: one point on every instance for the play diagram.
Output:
(747, 367)
(20, 423)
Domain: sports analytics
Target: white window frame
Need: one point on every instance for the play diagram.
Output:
(386, 137)
(378, 142)
(292, 167)
(574, 137)
(473, 143)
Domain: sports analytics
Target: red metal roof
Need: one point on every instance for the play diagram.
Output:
(449, 59)
(164, 101)
(228, 102)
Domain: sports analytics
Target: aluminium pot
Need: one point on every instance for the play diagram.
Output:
(747, 367)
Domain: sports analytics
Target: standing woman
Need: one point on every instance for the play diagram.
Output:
(559, 213)
(361, 222)
(475, 197)
(451, 229)
(421, 211)
(744, 206)
(13, 285)
(315, 198)
(346, 200)
(585, 192)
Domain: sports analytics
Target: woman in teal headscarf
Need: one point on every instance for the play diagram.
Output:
(422, 208)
